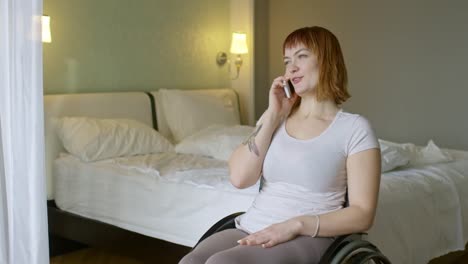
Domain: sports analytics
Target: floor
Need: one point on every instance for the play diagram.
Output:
(95, 256)
(459, 257)
(92, 256)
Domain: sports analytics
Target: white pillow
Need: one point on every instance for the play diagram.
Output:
(408, 154)
(92, 139)
(430, 154)
(392, 156)
(187, 112)
(216, 141)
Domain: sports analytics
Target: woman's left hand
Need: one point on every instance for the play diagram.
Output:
(273, 235)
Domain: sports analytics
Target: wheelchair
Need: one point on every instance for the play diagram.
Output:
(346, 249)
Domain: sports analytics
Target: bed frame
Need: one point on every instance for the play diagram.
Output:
(69, 232)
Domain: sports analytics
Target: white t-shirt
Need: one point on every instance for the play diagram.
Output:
(307, 177)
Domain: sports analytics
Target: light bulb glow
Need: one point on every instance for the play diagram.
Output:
(46, 36)
(239, 43)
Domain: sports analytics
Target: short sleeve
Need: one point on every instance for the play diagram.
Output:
(362, 136)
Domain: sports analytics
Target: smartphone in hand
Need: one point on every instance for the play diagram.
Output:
(287, 89)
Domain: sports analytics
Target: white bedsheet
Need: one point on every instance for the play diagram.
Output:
(423, 211)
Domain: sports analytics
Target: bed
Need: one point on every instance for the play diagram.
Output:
(174, 196)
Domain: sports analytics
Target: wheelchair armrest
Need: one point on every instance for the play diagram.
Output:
(225, 223)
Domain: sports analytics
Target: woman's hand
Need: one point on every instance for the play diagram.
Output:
(273, 235)
(279, 104)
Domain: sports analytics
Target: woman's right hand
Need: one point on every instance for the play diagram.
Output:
(279, 104)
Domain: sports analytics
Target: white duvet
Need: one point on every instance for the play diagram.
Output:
(195, 170)
(176, 201)
(422, 214)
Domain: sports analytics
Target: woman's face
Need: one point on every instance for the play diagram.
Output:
(302, 69)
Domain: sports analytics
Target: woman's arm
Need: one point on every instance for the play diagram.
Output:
(245, 164)
(363, 169)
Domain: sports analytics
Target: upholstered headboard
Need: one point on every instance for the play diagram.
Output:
(131, 105)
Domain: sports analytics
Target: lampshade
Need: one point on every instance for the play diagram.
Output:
(239, 43)
(46, 36)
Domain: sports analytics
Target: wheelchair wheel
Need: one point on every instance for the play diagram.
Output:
(367, 257)
(349, 252)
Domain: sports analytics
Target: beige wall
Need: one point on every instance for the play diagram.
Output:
(407, 62)
(262, 55)
(122, 45)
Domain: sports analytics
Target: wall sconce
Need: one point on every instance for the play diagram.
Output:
(238, 46)
(46, 36)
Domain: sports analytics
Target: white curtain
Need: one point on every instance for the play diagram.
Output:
(23, 215)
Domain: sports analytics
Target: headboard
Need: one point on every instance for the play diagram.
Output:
(131, 105)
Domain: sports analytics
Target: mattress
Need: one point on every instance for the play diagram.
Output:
(422, 214)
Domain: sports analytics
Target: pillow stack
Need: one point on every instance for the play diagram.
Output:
(187, 113)
(395, 155)
(216, 141)
(92, 139)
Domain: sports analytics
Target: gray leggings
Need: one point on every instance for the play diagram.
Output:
(222, 248)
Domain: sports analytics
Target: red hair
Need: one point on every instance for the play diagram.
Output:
(333, 78)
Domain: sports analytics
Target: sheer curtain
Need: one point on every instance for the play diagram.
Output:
(23, 218)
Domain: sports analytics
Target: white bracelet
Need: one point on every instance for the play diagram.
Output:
(317, 226)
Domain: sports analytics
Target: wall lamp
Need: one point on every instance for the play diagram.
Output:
(238, 46)
(46, 35)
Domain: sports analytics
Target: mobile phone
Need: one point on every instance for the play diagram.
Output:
(287, 88)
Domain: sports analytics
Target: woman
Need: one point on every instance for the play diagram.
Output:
(312, 156)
